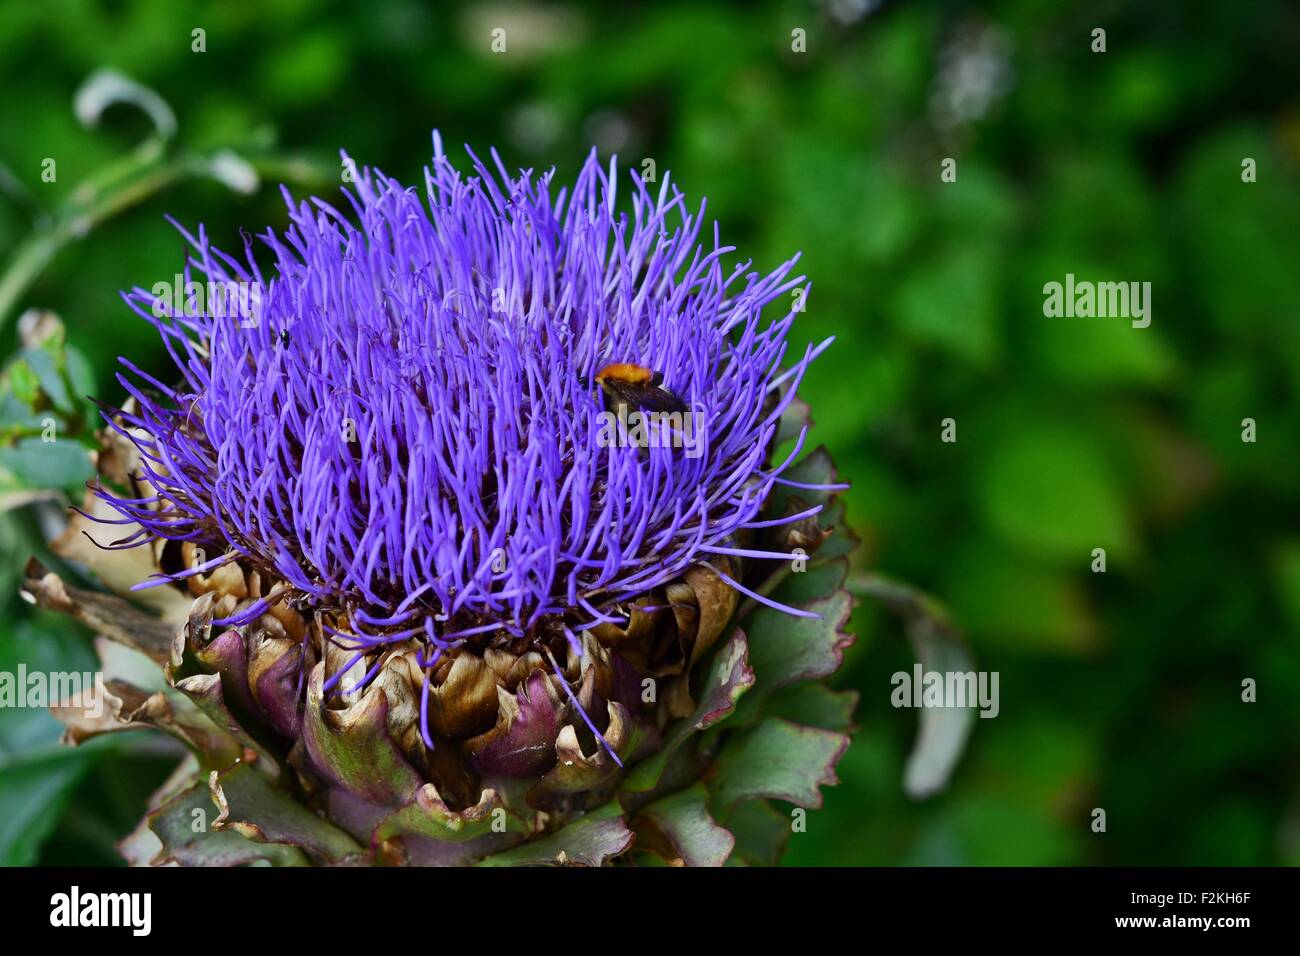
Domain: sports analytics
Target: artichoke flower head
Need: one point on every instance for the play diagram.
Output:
(419, 590)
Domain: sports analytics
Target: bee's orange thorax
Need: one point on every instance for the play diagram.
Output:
(625, 372)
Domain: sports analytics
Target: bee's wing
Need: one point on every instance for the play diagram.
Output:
(643, 395)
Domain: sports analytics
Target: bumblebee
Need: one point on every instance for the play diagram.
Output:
(637, 387)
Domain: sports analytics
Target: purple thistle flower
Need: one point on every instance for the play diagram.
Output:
(401, 424)
(452, 503)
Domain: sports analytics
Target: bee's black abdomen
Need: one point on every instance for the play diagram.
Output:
(642, 395)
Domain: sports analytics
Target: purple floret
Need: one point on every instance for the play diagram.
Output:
(405, 426)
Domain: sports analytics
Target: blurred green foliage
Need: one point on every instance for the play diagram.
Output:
(1120, 690)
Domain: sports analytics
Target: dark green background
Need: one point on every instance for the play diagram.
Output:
(1119, 690)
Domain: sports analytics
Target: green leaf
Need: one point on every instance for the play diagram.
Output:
(785, 650)
(683, 821)
(814, 468)
(818, 581)
(33, 794)
(794, 419)
(779, 760)
(815, 705)
(842, 541)
(48, 369)
(727, 678)
(17, 417)
(37, 775)
(760, 831)
(588, 841)
(183, 825)
(81, 374)
(63, 463)
(25, 382)
(252, 806)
